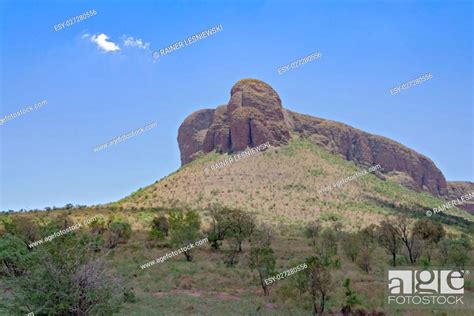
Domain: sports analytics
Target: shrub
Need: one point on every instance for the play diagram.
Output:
(13, 256)
(155, 234)
(161, 224)
(118, 232)
(23, 228)
(98, 226)
(66, 277)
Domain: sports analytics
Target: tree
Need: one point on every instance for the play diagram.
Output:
(364, 257)
(240, 226)
(389, 239)
(410, 240)
(350, 244)
(318, 283)
(219, 225)
(326, 245)
(263, 260)
(232, 224)
(429, 230)
(184, 230)
(458, 253)
(312, 231)
(429, 233)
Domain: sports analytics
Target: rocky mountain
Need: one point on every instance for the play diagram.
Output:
(456, 189)
(255, 115)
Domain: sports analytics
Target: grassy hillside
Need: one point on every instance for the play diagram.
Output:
(281, 185)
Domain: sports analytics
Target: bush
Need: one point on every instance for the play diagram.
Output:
(155, 234)
(118, 232)
(98, 226)
(161, 224)
(23, 228)
(13, 256)
(65, 277)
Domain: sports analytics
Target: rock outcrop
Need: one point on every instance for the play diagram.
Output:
(456, 189)
(255, 115)
(368, 150)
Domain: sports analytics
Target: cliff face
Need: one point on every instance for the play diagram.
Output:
(255, 115)
(456, 189)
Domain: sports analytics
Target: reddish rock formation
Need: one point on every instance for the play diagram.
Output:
(191, 134)
(369, 150)
(456, 189)
(254, 115)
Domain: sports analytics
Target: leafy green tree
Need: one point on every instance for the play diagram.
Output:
(184, 230)
(219, 225)
(458, 253)
(240, 226)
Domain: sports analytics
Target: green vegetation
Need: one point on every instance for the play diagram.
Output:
(78, 271)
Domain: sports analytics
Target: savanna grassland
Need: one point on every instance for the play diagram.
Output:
(261, 215)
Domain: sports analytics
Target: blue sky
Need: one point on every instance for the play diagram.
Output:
(93, 96)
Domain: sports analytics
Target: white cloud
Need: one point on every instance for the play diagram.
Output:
(85, 35)
(102, 43)
(130, 41)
